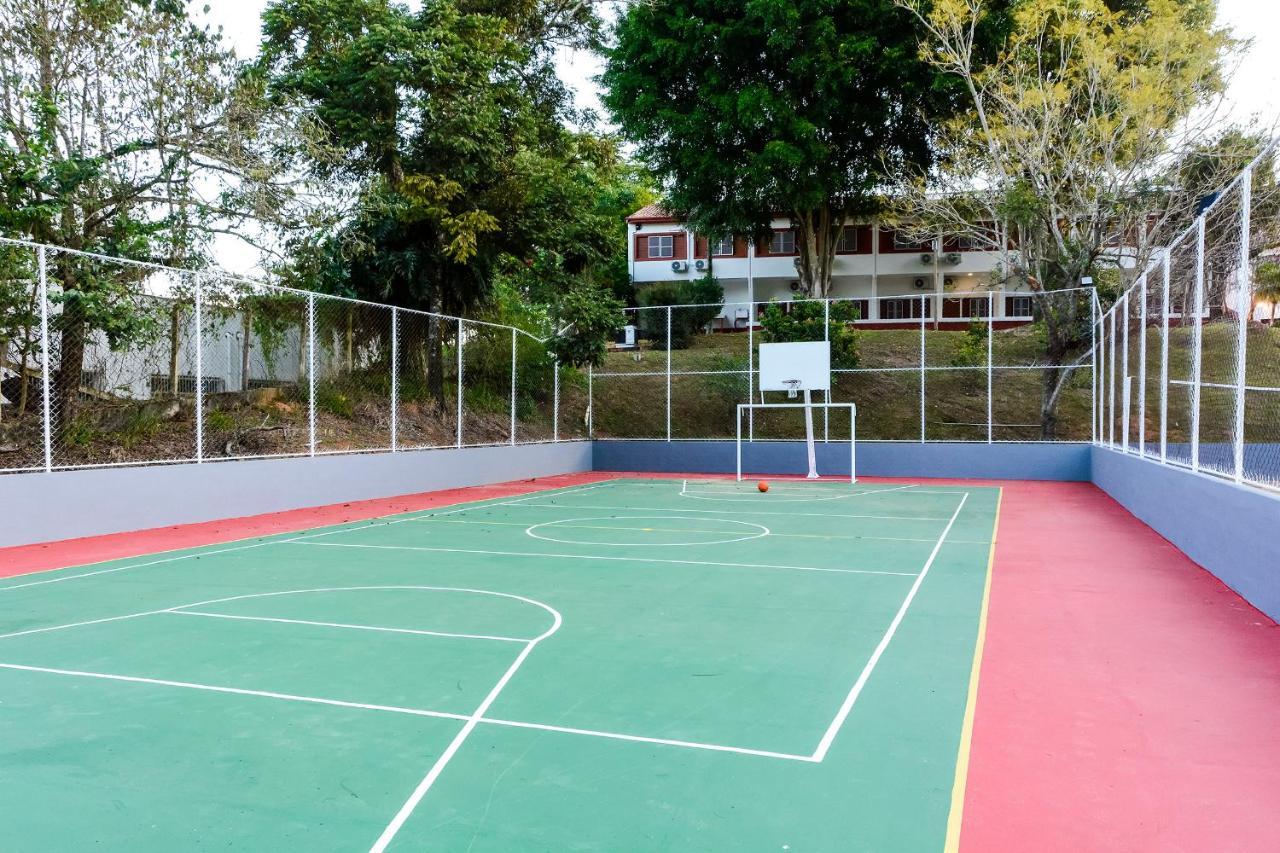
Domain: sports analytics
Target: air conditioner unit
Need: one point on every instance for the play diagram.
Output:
(948, 282)
(700, 265)
(795, 287)
(921, 284)
(953, 258)
(926, 257)
(679, 266)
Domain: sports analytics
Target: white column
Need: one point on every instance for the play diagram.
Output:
(395, 377)
(1197, 346)
(200, 371)
(43, 264)
(1164, 358)
(873, 308)
(311, 370)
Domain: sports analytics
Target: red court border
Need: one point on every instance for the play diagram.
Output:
(1127, 700)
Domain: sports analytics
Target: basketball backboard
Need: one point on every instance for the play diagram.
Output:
(782, 365)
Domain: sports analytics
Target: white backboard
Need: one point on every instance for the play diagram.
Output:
(808, 362)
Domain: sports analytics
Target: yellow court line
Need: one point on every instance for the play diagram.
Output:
(956, 816)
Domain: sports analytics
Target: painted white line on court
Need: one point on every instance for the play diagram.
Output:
(829, 736)
(415, 712)
(764, 753)
(600, 557)
(133, 566)
(237, 691)
(351, 627)
(80, 624)
(751, 512)
(760, 530)
(438, 767)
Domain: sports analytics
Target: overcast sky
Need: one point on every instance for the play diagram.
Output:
(1254, 94)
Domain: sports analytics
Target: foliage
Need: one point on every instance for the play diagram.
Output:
(972, 349)
(1058, 156)
(805, 319)
(694, 303)
(589, 317)
(805, 108)
(123, 130)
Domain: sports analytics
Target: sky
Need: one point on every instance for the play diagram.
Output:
(1254, 93)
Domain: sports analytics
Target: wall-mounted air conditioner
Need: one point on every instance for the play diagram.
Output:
(953, 258)
(795, 287)
(921, 284)
(700, 265)
(926, 257)
(679, 266)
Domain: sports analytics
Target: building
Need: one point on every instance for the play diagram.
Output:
(892, 276)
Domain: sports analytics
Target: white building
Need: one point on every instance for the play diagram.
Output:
(891, 276)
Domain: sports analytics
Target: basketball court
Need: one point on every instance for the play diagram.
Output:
(628, 665)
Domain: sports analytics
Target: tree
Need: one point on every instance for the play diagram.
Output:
(448, 130)
(805, 108)
(1058, 159)
(120, 124)
(1267, 279)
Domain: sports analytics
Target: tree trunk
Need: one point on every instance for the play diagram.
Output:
(816, 236)
(66, 382)
(435, 362)
(1053, 379)
(350, 339)
(246, 345)
(175, 345)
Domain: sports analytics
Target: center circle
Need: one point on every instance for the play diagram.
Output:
(633, 530)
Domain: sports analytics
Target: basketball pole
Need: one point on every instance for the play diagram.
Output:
(808, 436)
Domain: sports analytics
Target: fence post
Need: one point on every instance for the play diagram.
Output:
(199, 368)
(461, 384)
(826, 337)
(1197, 351)
(1142, 369)
(1111, 381)
(1164, 357)
(1245, 283)
(922, 306)
(311, 374)
(43, 265)
(514, 346)
(1124, 374)
(1093, 358)
(668, 373)
(751, 370)
(395, 377)
(991, 334)
(591, 399)
(555, 400)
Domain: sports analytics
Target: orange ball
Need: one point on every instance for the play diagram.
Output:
(762, 486)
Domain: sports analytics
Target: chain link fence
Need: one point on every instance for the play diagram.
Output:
(953, 367)
(105, 361)
(1191, 373)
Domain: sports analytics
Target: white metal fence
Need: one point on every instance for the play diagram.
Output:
(959, 366)
(105, 361)
(1189, 359)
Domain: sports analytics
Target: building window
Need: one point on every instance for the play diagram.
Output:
(722, 247)
(970, 243)
(904, 241)
(1019, 306)
(662, 246)
(905, 308)
(975, 307)
(848, 241)
(783, 243)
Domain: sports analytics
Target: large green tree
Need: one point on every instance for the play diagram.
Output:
(749, 108)
(446, 125)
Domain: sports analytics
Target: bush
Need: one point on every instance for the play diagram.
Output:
(706, 293)
(972, 349)
(804, 322)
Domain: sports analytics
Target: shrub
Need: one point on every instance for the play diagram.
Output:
(706, 293)
(972, 349)
(804, 322)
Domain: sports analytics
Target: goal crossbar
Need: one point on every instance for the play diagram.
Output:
(809, 440)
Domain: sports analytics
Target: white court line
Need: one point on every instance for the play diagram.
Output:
(438, 767)
(428, 516)
(764, 753)
(760, 530)
(351, 627)
(81, 624)
(134, 566)
(600, 557)
(829, 736)
(274, 539)
(237, 691)
(415, 712)
(747, 512)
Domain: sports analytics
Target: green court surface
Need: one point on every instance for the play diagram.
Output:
(635, 665)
